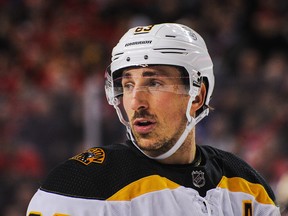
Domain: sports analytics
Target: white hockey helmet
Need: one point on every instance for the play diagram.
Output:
(163, 44)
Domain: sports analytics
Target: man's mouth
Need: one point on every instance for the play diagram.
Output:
(144, 126)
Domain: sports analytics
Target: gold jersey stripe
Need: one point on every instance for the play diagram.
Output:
(142, 186)
(237, 184)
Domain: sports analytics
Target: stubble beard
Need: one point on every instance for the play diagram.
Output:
(162, 143)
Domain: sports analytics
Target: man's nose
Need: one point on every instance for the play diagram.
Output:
(139, 98)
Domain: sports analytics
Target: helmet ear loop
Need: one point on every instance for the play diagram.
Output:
(197, 95)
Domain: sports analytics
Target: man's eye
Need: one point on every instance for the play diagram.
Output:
(155, 84)
(128, 86)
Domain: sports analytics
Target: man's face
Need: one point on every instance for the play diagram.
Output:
(155, 101)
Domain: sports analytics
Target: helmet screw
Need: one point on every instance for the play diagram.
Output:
(145, 57)
(128, 59)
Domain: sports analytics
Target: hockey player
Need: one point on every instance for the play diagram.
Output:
(160, 82)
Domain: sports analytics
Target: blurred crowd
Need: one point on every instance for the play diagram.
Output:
(53, 55)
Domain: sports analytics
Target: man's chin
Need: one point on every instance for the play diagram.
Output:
(153, 148)
(147, 144)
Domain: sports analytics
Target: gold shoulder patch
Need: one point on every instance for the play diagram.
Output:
(93, 155)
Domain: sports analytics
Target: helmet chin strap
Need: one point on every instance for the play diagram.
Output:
(191, 122)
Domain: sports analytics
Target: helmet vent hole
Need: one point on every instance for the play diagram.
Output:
(170, 36)
(145, 57)
(128, 59)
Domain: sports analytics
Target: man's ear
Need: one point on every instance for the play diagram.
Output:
(199, 99)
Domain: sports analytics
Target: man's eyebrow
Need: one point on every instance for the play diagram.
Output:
(127, 74)
(152, 73)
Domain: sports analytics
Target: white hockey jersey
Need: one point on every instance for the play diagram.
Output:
(118, 180)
